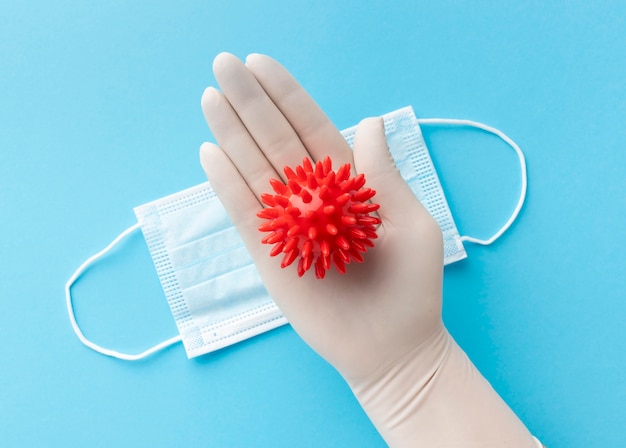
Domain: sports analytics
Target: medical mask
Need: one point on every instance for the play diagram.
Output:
(213, 289)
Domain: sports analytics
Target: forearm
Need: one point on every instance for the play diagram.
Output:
(435, 396)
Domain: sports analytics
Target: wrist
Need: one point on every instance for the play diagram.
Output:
(435, 396)
(392, 395)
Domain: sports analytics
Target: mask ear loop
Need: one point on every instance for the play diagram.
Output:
(522, 162)
(70, 308)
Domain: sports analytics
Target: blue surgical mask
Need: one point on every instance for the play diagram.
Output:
(213, 289)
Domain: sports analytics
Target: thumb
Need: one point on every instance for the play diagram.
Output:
(372, 157)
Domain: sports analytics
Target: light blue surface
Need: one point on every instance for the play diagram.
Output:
(99, 112)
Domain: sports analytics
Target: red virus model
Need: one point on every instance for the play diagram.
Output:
(320, 215)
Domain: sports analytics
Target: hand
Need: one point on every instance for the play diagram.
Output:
(380, 323)
(379, 310)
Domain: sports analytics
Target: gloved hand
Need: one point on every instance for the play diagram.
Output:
(380, 323)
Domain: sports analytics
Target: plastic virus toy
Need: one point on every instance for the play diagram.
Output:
(320, 215)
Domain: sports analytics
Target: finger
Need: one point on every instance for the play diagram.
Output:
(236, 142)
(238, 199)
(264, 122)
(372, 157)
(315, 130)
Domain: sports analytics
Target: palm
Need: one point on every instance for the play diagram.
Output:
(393, 300)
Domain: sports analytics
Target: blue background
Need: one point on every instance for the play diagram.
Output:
(99, 112)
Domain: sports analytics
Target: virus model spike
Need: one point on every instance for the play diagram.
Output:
(320, 216)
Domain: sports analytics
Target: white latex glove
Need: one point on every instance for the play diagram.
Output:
(379, 324)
